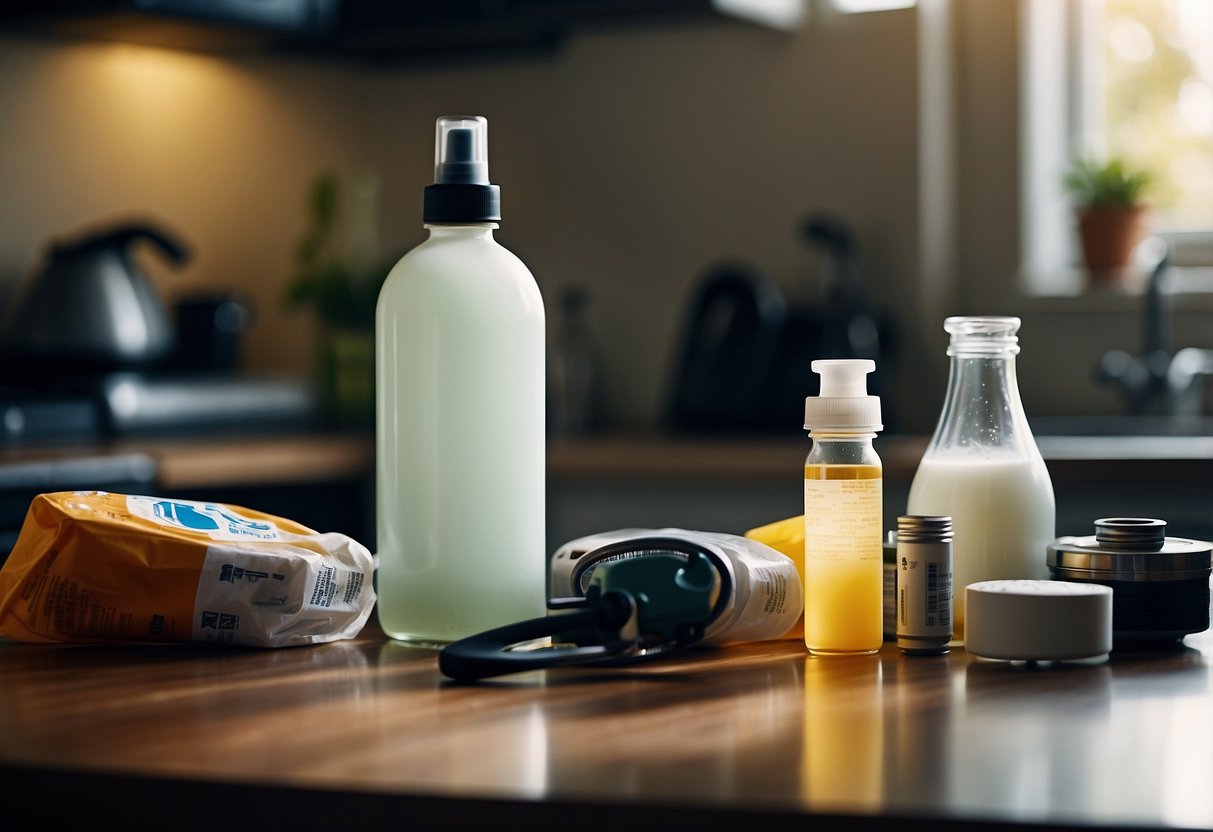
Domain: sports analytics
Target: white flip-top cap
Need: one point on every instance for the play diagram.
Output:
(844, 403)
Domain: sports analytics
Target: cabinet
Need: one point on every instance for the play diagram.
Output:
(371, 31)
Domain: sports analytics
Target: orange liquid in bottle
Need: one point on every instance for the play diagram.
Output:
(843, 567)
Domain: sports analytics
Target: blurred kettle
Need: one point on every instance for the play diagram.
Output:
(90, 309)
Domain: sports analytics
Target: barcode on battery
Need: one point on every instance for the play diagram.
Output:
(945, 592)
(939, 593)
(938, 590)
(932, 593)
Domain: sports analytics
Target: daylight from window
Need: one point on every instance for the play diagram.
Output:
(1150, 84)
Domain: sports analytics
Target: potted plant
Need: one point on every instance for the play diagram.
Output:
(338, 273)
(1111, 214)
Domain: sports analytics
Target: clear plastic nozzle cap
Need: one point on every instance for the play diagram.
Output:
(844, 403)
(461, 151)
(844, 378)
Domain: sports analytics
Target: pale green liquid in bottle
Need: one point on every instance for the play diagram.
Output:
(460, 439)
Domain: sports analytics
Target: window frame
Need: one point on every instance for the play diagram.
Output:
(1058, 40)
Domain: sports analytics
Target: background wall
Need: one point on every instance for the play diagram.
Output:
(629, 162)
(639, 158)
(218, 151)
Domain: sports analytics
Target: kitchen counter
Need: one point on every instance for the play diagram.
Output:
(325, 478)
(366, 733)
(736, 484)
(727, 484)
(198, 462)
(306, 457)
(663, 457)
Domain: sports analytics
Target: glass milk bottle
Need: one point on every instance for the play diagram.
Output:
(460, 354)
(983, 467)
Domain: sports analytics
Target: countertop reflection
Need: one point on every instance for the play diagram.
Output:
(764, 731)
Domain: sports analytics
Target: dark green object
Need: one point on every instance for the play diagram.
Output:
(340, 293)
(645, 601)
(674, 595)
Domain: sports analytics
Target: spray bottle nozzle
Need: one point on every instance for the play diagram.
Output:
(461, 151)
(459, 145)
(461, 191)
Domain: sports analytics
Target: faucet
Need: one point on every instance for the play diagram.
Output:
(1143, 379)
(1186, 381)
(1157, 381)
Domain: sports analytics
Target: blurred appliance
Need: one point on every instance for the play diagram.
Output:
(844, 323)
(90, 309)
(137, 404)
(38, 416)
(127, 404)
(744, 361)
(87, 350)
(731, 338)
(209, 331)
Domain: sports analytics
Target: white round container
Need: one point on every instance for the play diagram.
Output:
(1038, 620)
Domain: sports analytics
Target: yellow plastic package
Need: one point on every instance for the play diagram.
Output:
(90, 566)
(786, 536)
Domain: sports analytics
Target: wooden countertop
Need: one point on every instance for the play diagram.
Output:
(1070, 458)
(359, 733)
(199, 462)
(695, 458)
(302, 458)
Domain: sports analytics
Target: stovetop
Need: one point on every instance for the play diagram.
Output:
(135, 404)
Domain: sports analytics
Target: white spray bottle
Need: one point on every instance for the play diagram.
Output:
(460, 415)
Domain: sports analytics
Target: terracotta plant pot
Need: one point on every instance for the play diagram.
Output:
(1108, 237)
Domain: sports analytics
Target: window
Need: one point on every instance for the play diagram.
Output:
(1146, 94)
(1130, 78)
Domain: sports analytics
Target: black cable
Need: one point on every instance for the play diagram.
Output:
(488, 654)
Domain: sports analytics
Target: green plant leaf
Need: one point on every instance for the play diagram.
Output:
(1110, 183)
(323, 278)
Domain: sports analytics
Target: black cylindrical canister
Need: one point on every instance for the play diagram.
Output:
(1160, 584)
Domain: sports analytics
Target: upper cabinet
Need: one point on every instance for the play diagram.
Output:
(382, 32)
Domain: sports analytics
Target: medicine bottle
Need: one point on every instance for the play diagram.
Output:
(843, 541)
(460, 354)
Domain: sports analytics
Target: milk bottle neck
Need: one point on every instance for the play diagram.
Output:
(982, 408)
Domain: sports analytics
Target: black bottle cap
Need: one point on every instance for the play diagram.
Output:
(462, 203)
(461, 191)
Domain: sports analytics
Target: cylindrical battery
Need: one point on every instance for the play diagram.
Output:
(924, 584)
